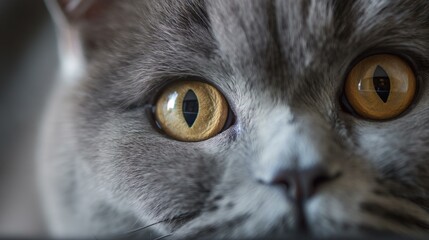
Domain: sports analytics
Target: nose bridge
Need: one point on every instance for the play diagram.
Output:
(294, 142)
(314, 139)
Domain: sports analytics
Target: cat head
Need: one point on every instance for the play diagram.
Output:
(295, 156)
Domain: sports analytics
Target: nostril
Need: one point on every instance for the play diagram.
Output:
(290, 182)
(284, 181)
(282, 178)
(319, 179)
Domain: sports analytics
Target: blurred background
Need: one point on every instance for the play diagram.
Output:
(28, 63)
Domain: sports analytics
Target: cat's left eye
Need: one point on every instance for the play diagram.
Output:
(192, 111)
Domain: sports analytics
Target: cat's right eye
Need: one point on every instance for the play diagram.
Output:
(380, 87)
(192, 111)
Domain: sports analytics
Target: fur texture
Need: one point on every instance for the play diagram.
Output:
(281, 65)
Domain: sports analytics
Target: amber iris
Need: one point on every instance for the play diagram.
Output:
(380, 87)
(191, 111)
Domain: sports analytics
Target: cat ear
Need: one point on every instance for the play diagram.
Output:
(77, 10)
(70, 16)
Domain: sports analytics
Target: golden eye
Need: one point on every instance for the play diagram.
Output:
(380, 87)
(191, 111)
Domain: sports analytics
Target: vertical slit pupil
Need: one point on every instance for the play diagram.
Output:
(190, 107)
(381, 83)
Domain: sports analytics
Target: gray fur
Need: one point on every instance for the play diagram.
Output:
(281, 65)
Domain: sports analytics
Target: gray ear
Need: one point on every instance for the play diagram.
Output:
(70, 17)
(75, 10)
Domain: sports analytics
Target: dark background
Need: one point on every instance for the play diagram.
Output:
(28, 64)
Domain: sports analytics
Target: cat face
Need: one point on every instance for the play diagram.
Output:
(293, 159)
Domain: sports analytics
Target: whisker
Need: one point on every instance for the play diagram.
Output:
(177, 217)
(144, 227)
(162, 237)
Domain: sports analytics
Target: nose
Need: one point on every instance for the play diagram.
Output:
(302, 184)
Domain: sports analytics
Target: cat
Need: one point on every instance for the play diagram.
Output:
(294, 157)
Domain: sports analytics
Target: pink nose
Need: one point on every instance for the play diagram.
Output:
(302, 184)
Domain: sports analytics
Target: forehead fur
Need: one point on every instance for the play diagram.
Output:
(273, 45)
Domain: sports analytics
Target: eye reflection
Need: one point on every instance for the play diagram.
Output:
(172, 100)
